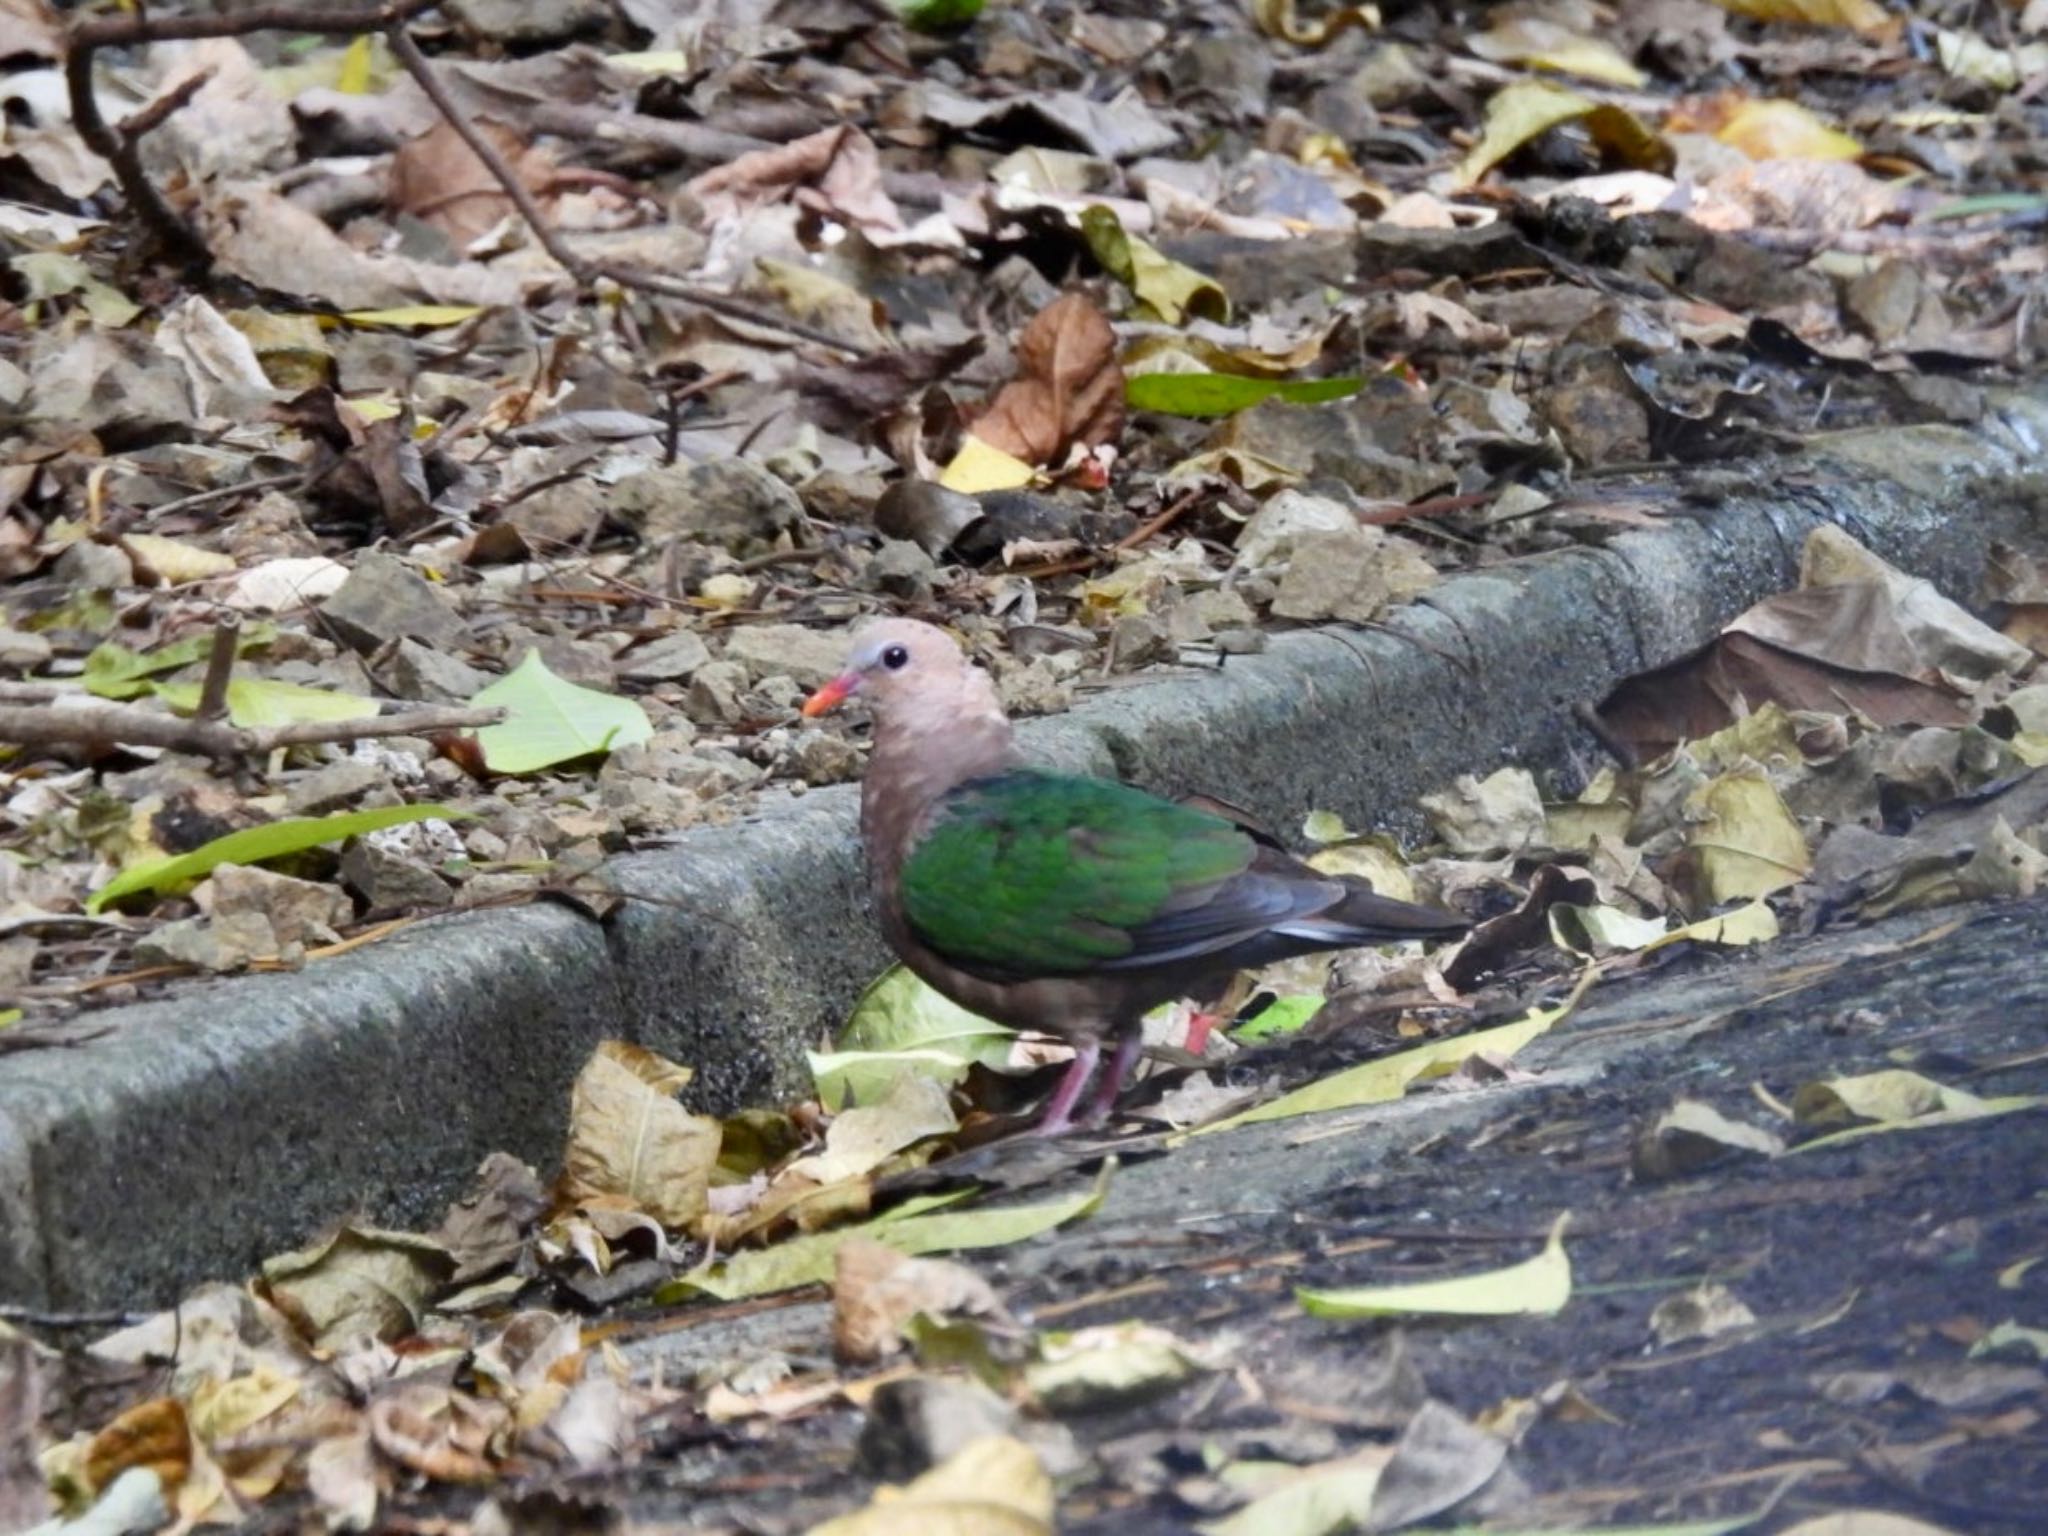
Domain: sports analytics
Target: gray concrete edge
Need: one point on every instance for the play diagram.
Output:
(232, 1119)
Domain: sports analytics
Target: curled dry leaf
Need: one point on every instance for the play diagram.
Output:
(835, 172)
(876, 1290)
(1069, 389)
(629, 1137)
(439, 1432)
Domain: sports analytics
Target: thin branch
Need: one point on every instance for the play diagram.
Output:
(121, 148)
(220, 668)
(89, 722)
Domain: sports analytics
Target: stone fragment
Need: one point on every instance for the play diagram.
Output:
(22, 651)
(1354, 575)
(387, 881)
(733, 503)
(332, 786)
(433, 676)
(383, 600)
(810, 656)
(821, 757)
(297, 911)
(714, 696)
(901, 568)
(674, 656)
(94, 566)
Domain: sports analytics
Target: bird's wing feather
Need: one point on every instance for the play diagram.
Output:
(1036, 874)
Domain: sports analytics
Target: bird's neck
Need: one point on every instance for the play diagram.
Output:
(926, 745)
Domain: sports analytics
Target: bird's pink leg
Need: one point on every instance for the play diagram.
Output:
(1128, 1050)
(1200, 1025)
(1059, 1109)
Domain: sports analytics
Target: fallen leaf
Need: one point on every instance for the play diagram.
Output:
(1536, 1287)
(876, 1290)
(549, 721)
(1069, 389)
(361, 1283)
(629, 1138)
(990, 1487)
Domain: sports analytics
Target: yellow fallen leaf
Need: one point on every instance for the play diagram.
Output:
(1387, 1078)
(431, 316)
(1545, 44)
(812, 1258)
(1889, 1097)
(1784, 130)
(1863, 15)
(1744, 843)
(1525, 110)
(978, 467)
(1535, 1287)
(629, 1138)
(1172, 290)
(176, 561)
(1276, 18)
(994, 1486)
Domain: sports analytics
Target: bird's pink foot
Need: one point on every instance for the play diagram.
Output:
(1200, 1026)
(1100, 1107)
(1059, 1109)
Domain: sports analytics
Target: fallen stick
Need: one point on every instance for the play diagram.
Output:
(97, 722)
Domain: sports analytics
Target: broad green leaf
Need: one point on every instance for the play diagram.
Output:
(115, 672)
(257, 702)
(901, 1027)
(549, 720)
(1535, 1287)
(1221, 394)
(1282, 1016)
(252, 845)
(1170, 289)
(1383, 1080)
(809, 1259)
(431, 316)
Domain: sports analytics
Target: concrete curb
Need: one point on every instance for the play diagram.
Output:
(230, 1120)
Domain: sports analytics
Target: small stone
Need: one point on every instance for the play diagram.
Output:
(391, 882)
(228, 944)
(383, 600)
(733, 503)
(494, 886)
(822, 757)
(331, 787)
(296, 911)
(673, 656)
(1139, 640)
(648, 805)
(1268, 538)
(434, 677)
(23, 652)
(93, 566)
(1039, 687)
(1219, 608)
(1884, 301)
(714, 696)
(810, 656)
(17, 963)
(1353, 576)
(917, 1423)
(901, 568)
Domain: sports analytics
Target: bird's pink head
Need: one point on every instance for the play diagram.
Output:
(894, 660)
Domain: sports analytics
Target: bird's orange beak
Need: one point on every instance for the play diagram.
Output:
(831, 696)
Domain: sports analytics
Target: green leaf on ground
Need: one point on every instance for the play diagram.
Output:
(252, 845)
(549, 720)
(1222, 394)
(1172, 290)
(936, 15)
(115, 672)
(1282, 1016)
(1538, 1286)
(9, 1016)
(810, 1259)
(901, 1027)
(258, 702)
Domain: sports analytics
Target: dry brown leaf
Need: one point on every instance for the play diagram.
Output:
(876, 1290)
(153, 1435)
(439, 1432)
(439, 180)
(835, 172)
(1070, 387)
(629, 1137)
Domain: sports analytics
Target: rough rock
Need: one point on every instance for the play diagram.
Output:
(674, 656)
(730, 502)
(810, 656)
(421, 672)
(391, 882)
(1353, 575)
(297, 911)
(383, 600)
(332, 786)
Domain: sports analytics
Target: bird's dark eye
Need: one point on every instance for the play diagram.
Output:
(896, 658)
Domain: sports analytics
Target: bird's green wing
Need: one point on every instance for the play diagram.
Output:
(1035, 874)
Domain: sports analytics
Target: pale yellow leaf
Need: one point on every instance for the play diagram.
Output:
(1538, 1286)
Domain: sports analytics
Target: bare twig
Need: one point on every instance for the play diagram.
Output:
(220, 668)
(35, 1317)
(85, 722)
(121, 148)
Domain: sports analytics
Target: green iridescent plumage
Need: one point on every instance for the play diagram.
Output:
(1038, 873)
